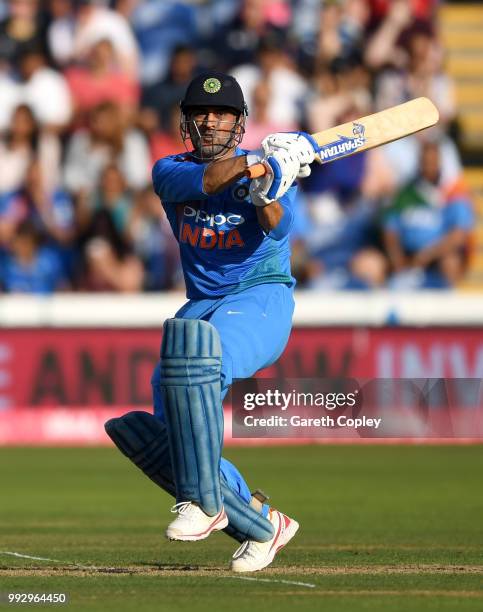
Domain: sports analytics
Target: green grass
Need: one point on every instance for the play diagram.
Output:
(382, 528)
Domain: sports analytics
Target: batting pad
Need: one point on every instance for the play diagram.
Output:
(191, 394)
(143, 439)
(245, 522)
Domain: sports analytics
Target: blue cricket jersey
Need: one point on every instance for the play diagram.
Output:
(223, 247)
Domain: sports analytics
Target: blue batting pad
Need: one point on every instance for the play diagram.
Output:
(191, 393)
(245, 522)
(143, 439)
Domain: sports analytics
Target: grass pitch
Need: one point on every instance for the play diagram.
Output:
(383, 528)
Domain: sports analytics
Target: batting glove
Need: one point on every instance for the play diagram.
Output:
(300, 144)
(282, 170)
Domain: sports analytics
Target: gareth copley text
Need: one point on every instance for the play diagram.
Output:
(299, 421)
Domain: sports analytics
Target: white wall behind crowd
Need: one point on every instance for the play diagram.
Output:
(374, 309)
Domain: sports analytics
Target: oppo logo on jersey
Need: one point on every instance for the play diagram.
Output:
(207, 238)
(211, 219)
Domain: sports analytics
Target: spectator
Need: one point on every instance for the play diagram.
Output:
(342, 28)
(237, 42)
(95, 23)
(154, 243)
(338, 244)
(60, 31)
(17, 148)
(337, 89)
(38, 86)
(260, 122)
(29, 267)
(421, 76)
(403, 156)
(23, 29)
(100, 79)
(427, 228)
(108, 261)
(9, 97)
(276, 67)
(112, 195)
(383, 47)
(51, 211)
(306, 24)
(160, 27)
(45, 91)
(422, 10)
(73, 33)
(162, 142)
(23, 142)
(340, 233)
(163, 95)
(12, 212)
(106, 141)
(80, 134)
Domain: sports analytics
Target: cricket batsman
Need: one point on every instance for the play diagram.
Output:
(233, 236)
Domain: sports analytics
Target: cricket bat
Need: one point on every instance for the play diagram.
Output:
(369, 132)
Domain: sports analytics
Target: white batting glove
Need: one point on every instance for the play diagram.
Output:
(300, 144)
(282, 170)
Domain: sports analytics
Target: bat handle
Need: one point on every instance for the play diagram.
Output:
(256, 171)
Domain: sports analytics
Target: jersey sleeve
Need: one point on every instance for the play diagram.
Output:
(284, 226)
(176, 179)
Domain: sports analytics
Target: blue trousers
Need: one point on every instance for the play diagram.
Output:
(254, 327)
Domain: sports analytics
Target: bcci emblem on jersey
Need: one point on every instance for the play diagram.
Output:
(345, 145)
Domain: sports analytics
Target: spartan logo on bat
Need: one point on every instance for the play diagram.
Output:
(358, 130)
(345, 145)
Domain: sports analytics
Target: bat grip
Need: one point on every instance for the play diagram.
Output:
(256, 171)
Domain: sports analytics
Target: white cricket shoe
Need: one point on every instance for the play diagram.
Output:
(193, 524)
(253, 556)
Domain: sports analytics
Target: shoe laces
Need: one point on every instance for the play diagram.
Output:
(249, 548)
(181, 508)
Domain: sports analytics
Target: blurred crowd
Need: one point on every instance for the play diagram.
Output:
(89, 93)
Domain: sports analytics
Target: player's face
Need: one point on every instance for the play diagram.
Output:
(212, 129)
